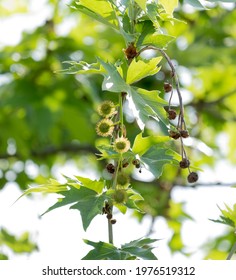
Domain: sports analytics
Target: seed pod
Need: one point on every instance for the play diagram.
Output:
(131, 51)
(125, 164)
(184, 163)
(192, 177)
(184, 133)
(105, 128)
(106, 109)
(136, 162)
(120, 196)
(171, 114)
(113, 221)
(167, 87)
(110, 168)
(174, 134)
(122, 179)
(121, 145)
(109, 216)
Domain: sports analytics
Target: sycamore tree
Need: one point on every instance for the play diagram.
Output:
(138, 94)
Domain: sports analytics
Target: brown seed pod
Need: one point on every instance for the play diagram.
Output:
(109, 216)
(113, 221)
(184, 133)
(184, 163)
(136, 162)
(171, 114)
(174, 134)
(131, 51)
(192, 177)
(110, 168)
(125, 164)
(167, 87)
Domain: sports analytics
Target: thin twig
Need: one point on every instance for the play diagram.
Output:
(233, 250)
(174, 75)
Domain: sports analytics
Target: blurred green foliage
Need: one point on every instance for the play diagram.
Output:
(48, 119)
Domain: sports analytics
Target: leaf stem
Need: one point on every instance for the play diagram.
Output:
(174, 75)
(110, 230)
(233, 250)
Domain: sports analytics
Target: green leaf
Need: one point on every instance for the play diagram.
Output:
(145, 104)
(94, 185)
(196, 4)
(112, 78)
(140, 69)
(52, 186)
(140, 248)
(103, 251)
(156, 157)
(87, 201)
(100, 10)
(142, 4)
(228, 216)
(82, 67)
(21, 244)
(135, 249)
(169, 5)
(142, 144)
(150, 36)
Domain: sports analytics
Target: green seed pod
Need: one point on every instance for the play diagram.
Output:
(120, 196)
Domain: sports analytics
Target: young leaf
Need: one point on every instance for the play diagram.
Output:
(100, 10)
(94, 185)
(142, 4)
(140, 69)
(145, 104)
(112, 78)
(169, 5)
(228, 216)
(52, 186)
(142, 144)
(82, 67)
(156, 157)
(87, 201)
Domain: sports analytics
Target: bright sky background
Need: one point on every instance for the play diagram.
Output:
(59, 234)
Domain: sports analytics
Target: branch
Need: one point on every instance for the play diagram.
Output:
(174, 184)
(51, 150)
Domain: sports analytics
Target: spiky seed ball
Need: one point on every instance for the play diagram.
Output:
(120, 196)
(184, 133)
(122, 179)
(174, 134)
(105, 127)
(171, 114)
(184, 163)
(167, 87)
(121, 145)
(106, 109)
(192, 177)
